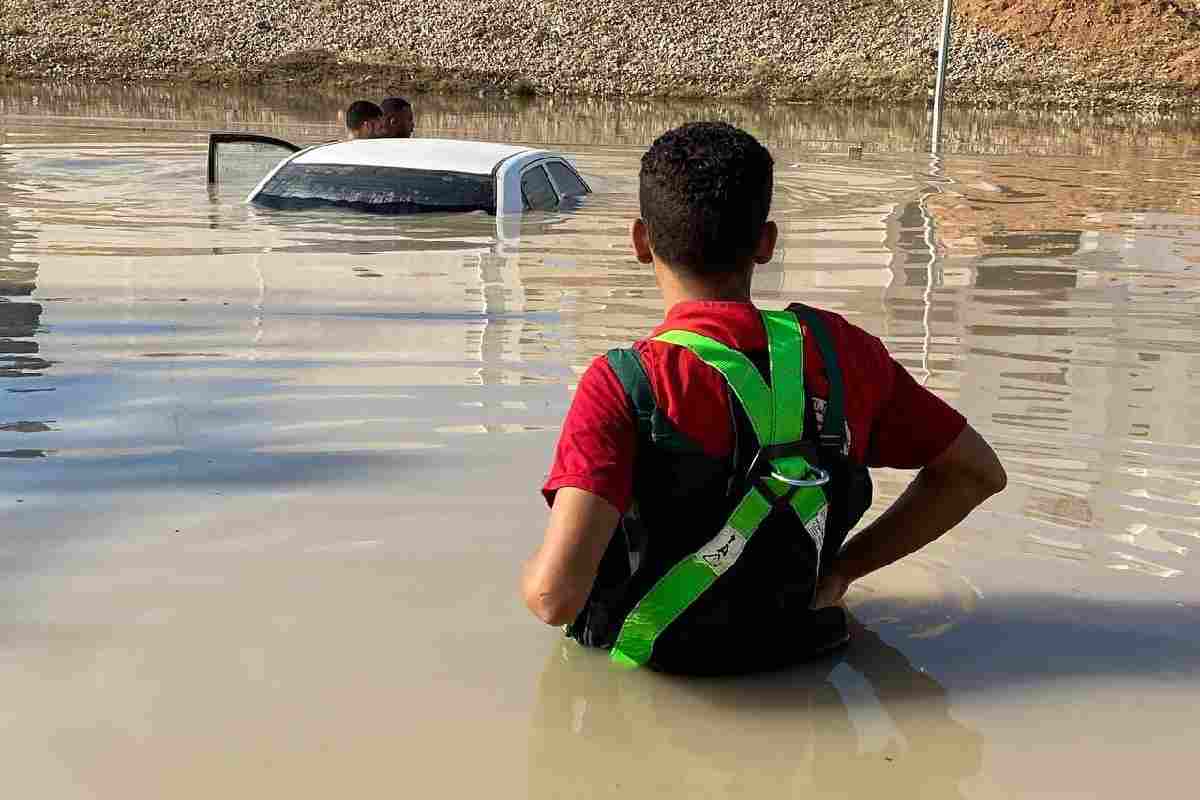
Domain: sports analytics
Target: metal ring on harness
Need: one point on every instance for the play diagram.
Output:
(820, 481)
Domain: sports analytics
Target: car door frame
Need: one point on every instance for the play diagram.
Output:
(234, 137)
(541, 161)
(558, 189)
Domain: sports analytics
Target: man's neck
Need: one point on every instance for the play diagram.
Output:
(677, 288)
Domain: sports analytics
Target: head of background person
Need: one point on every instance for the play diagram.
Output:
(398, 120)
(363, 120)
(705, 193)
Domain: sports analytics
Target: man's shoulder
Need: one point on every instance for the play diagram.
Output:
(832, 319)
(847, 334)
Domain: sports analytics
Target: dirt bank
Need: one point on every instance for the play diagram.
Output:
(1123, 53)
(1107, 39)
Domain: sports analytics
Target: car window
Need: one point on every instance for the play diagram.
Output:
(386, 190)
(565, 179)
(539, 194)
(243, 163)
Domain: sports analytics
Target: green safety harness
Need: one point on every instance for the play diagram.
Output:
(780, 476)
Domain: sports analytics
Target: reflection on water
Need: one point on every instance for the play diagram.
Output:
(307, 115)
(18, 315)
(599, 734)
(232, 437)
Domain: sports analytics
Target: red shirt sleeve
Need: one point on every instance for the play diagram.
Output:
(599, 436)
(914, 426)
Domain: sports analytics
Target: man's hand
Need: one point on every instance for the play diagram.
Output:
(830, 590)
(560, 575)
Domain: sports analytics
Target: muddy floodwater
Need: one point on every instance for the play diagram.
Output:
(267, 478)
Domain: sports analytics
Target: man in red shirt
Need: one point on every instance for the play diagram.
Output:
(695, 425)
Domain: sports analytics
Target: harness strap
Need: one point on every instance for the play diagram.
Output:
(628, 368)
(740, 373)
(686, 581)
(651, 422)
(833, 430)
(777, 415)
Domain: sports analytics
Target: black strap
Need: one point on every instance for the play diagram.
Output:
(628, 368)
(652, 424)
(833, 431)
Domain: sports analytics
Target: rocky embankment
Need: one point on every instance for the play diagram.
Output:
(1113, 53)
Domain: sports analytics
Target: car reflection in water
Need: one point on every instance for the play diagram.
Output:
(435, 301)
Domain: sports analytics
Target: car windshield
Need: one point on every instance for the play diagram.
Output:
(383, 190)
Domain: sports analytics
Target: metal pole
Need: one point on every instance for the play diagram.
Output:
(943, 57)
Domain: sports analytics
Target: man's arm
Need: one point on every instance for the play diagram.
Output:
(940, 497)
(590, 483)
(558, 578)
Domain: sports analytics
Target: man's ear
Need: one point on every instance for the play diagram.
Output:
(641, 242)
(766, 243)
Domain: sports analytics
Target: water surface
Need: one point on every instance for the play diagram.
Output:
(266, 479)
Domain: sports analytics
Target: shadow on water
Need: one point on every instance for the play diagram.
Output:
(1018, 641)
(23, 453)
(215, 470)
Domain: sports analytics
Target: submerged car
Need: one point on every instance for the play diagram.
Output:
(400, 176)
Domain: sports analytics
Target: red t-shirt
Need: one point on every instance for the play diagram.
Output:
(892, 420)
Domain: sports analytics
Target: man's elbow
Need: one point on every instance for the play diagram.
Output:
(972, 464)
(551, 607)
(995, 481)
(987, 480)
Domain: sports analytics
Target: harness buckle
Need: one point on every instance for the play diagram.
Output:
(766, 454)
(821, 479)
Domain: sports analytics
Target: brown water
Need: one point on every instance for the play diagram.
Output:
(266, 480)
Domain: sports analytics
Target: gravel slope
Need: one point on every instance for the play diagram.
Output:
(782, 49)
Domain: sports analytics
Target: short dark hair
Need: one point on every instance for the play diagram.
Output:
(705, 192)
(361, 111)
(394, 105)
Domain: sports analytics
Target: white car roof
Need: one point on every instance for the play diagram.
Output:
(454, 155)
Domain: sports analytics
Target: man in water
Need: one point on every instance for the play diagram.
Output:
(706, 479)
(398, 121)
(364, 120)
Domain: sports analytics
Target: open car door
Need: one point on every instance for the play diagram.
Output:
(244, 159)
